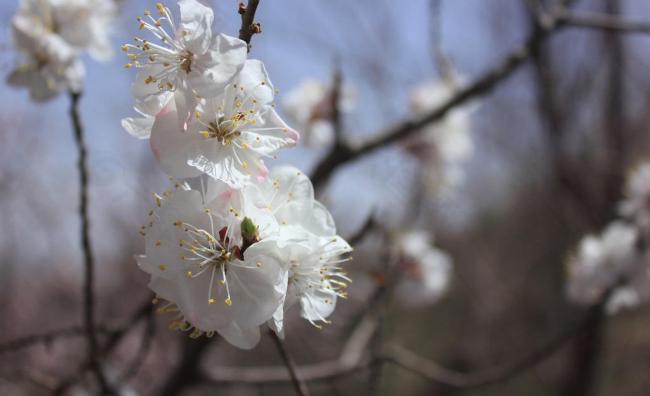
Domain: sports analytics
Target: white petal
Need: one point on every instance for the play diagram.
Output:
(196, 21)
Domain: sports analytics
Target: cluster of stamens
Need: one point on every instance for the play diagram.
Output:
(170, 54)
(321, 272)
(205, 252)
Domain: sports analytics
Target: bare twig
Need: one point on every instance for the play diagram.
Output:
(298, 383)
(593, 20)
(248, 25)
(86, 246)
(143, 351)
(407, 360)
(46, 338)
(187, 371)
(341, 155)
(550, 23)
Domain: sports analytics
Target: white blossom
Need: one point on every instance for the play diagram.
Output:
(228, 135)
(444, 146)
(310, 248)
(50, 64)
(636, 206)
(214, 279)
(183, 54)
(601, 262)
(309, 106)
(424, 270)
(82, 24)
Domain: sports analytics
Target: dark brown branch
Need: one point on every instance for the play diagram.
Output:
(592, 20)
(86, 246)
(46, 338)
(248, 25)
(141, 355)
(548, 24)
(187, 371)
(410, 361)
(340, 155)
(298, 383)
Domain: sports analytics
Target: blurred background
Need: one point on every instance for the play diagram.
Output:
(544, 157)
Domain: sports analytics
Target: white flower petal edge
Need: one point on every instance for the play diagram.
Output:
(52, 65)
(199, 262)
(308, 245)
(186, 57)
(228, 135)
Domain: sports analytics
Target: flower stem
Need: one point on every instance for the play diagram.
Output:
(299, 385)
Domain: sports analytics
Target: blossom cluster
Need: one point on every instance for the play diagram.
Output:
(231, 245)
(617, 260)
(445, 146)
(51, 35)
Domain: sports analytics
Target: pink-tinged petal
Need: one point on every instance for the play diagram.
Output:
(171, 144)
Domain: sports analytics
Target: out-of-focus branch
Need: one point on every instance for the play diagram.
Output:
(46, 338)
(335, 102)
(407, 360)
(187, 371)
(140, 356)
(341, 155)
(298, 384)
(248, 25)
(86, 247)
(599, 21)
(363, 231)
(145, 310)
(114, 338)
(440, 59)
(549, 23)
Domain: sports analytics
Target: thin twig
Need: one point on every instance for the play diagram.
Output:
(46, 338)
(248, 25)
(549, 24)
(187, 371)
(410, 361)
(86, 246)
(593, 20)
(298, 383)
(141, 355)
(341, 155)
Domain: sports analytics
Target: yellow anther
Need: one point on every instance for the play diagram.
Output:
(161, 9)
(124, 48)
(162, 267)
(147, 13)
(258, 264)
(158, 242)
(212, 301)
(196, 333)
(189, 274)
(228, 301)
(205, 134)
(128, 65)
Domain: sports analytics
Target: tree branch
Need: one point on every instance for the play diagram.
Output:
(248, 25)
(86, 247)
(599, 21)
(410, 361)
(297, 381)
(549, 24)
